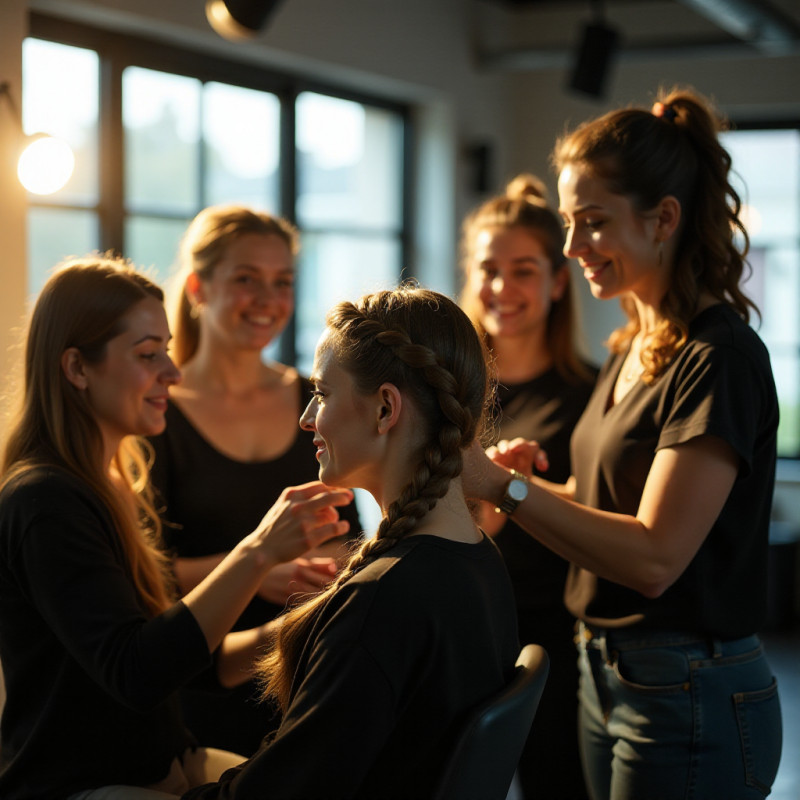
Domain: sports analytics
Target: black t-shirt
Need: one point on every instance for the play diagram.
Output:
(546, 409)
(719, 384)
(397, 658)
(90, 675)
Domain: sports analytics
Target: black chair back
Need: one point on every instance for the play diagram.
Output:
(482, 763)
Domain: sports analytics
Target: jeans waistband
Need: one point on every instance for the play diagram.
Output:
(609, 639)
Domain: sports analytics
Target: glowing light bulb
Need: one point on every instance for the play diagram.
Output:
(45, 165)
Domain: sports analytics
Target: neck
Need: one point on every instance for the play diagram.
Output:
(520, 358)
(226, 370)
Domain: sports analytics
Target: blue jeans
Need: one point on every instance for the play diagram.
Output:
(670, 716)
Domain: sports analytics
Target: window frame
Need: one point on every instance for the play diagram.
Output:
(116, 51)
(783, 124)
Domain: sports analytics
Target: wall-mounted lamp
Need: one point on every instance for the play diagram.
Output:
(45, 163)
(239, 19)
(596, 51)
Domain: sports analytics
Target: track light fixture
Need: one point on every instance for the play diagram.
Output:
(596, 51)
(239, 19)
(45, 163)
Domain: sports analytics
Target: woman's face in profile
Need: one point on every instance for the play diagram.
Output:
(127, 391)
(343, 423)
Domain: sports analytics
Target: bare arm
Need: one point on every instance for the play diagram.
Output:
(685, 491)
(302, 518)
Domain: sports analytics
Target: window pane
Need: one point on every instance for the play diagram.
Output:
(333, 268)
(55, 234)
(151, 242)
(349, 159)
(161, 116)
(241, 128)
(60, 85)
(768, 167)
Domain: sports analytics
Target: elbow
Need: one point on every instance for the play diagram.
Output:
(653, 581)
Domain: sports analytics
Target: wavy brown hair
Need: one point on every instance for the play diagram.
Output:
(524, 205)
(424, 344)
(203, 246)
(646, 158)
(83, 305)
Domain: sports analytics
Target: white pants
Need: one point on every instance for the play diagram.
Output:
(194, 768)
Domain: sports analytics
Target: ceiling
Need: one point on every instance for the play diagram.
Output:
(539, 34)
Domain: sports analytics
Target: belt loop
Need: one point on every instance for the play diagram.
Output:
(716, 648)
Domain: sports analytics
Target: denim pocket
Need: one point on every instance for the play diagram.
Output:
(652, 670)
(758, 715)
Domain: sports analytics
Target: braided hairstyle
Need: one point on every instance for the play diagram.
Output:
(420, 341)
(672, 149)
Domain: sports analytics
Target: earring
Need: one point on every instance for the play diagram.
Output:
(194, 311)
(660, 252)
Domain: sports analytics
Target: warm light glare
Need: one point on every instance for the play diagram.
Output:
(45, 165)
(224, 24)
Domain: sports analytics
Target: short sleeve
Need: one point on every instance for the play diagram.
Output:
(718, 391)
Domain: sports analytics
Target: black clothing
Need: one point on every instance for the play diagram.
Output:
(90, 675)
(719, 384)
(210, 503)
(546, 409)
(397, 657)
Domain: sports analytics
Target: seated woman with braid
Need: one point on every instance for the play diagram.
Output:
(375, 674)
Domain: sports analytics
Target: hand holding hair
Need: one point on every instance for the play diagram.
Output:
(522, 455)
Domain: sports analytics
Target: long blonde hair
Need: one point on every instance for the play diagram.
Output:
(673, 150)
(524, 205)
(422, 342)
(82, 306)
(203, 246)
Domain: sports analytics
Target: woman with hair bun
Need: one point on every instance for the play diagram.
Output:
(375, 674)
(518, 293)
(231, 442)
(666, 516)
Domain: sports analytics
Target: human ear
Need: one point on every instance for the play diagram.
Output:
(668, 217)
(560, 283)
(194, 288)
(389, 407)
(73, 366)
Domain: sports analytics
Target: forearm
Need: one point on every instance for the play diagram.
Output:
(617, 547)
(189, 572)
(220, 598)
(240, 650)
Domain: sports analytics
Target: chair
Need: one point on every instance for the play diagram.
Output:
(482, 763)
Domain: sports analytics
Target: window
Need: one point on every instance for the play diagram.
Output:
(767, 166)
(159, 133)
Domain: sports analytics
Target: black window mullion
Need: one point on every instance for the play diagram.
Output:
(287, 161)
(111, 154)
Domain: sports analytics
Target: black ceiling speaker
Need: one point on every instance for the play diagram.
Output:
(239, 19)
(595, 55)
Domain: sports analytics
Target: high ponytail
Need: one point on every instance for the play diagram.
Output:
(646, 155)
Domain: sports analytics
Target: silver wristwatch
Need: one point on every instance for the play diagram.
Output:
(516, 492)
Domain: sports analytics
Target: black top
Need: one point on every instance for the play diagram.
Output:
(211, 502)
(546, 409)
(719, 384)
(398, 656)
(90, 676)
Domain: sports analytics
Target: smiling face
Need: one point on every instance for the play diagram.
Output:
(127, 390)
(512, 279)
(249, 297)
(616, 246)
(345, 430)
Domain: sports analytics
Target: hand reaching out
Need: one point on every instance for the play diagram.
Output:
(302, 576)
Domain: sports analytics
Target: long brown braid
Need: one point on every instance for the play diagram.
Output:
(420, 341)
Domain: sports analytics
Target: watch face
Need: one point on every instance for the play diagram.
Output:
(517, 490)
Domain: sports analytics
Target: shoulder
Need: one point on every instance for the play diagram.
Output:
(45, 487)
